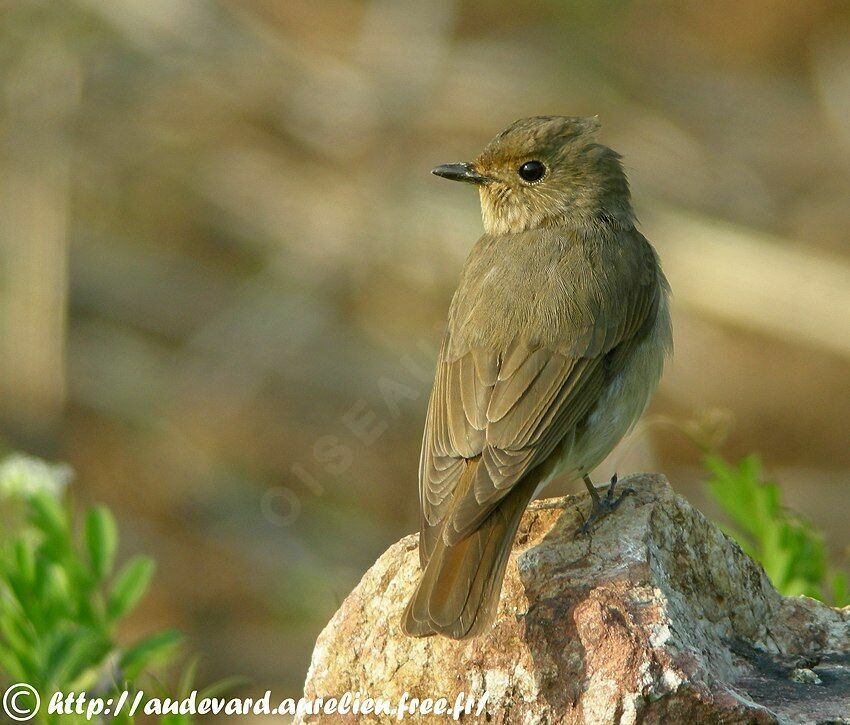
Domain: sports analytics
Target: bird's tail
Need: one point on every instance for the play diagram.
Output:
(459, 590)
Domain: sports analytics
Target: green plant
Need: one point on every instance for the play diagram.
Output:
(791, 551)
(61, 597)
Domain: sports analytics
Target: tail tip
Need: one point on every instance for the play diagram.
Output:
(413, 627)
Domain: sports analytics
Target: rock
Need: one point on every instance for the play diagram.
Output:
(656, 617)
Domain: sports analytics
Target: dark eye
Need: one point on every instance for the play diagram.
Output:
(532, 171)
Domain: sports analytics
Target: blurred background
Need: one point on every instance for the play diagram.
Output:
(224, 265)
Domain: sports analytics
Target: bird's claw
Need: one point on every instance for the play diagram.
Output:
(604, 506)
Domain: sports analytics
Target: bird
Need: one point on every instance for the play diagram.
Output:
(556, 339)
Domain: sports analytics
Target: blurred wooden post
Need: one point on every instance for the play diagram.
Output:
(40, 92)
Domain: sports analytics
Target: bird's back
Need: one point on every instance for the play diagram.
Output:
(560, 288)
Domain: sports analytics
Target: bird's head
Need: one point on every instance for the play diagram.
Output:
(547, 170)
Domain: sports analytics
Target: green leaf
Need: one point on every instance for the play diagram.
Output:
(777, 561)
(155, 649)
(101, 541)
(25, 559)
(12, 667)
(14, 634)
(187, 679)
(129, 586)
(74, 652)
(171, 719)
(839, 589)
(47, 514)
(58, 588)
(792, 553)
(796, 588)
(19, 594)
(90, 677)
(222, 687)
(734, 492)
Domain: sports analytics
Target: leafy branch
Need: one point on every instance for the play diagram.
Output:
(62, 598)
(792, 552)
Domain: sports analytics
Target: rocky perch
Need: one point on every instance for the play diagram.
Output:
(656, 617)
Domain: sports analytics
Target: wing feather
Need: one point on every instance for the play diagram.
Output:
(496, 414)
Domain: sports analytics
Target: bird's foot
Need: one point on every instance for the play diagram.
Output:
(602, 506)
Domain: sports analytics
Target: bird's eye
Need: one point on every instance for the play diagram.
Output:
(532, 171)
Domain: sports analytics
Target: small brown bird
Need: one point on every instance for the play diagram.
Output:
(556, 338)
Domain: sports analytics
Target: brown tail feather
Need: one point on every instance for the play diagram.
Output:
(460, 586)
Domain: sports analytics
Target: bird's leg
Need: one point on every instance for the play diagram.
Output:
(602, 506)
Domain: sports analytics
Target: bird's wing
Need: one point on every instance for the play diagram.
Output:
(494, 415)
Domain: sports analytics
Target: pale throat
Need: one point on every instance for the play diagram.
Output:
(506, 216)
(502, 214)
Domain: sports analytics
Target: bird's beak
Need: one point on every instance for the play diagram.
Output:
(461, 172)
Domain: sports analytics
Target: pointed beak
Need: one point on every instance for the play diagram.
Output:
(461, 172)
